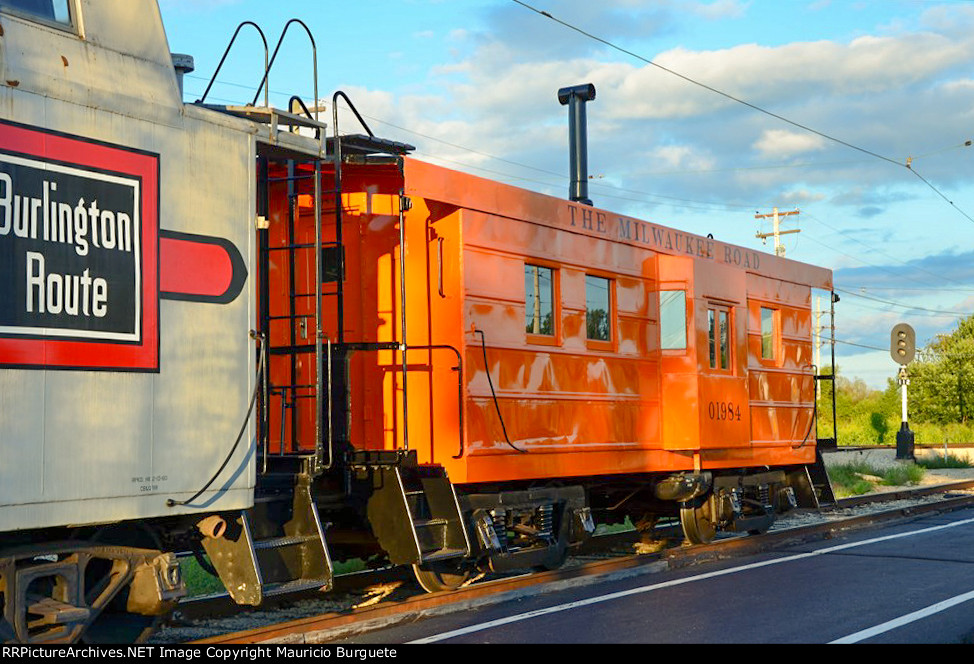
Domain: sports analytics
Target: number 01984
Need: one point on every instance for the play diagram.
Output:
(724, 410)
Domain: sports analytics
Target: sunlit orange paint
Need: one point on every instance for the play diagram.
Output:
(570, 406)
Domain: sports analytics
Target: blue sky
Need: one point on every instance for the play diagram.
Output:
(472, 84)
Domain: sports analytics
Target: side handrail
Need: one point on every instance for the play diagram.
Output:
(337, 158)
(227, 52)
(351, 106)
(459, 370)
(300, 102)
(314, 55)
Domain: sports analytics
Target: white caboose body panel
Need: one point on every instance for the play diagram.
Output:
(101, 418)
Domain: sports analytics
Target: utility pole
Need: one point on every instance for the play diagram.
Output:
(779, 249)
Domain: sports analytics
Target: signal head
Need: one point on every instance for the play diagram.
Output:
(902, 344)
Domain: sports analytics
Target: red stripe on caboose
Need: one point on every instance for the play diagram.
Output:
(189, 267)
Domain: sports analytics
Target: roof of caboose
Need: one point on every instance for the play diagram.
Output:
(488, 196)
(114, 55)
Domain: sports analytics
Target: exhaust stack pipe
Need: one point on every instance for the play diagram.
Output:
(575, 97)
(183, 64)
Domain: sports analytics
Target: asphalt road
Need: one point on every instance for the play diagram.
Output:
(907, 583)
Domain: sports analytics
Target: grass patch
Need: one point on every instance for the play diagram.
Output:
(903, 474)
(938, 461)
(858, 477)
(610, 529)
(199, 582)
(847, 481)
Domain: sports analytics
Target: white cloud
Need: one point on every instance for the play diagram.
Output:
(781, 143)
(802, 196)
(893, 93)
(719, 9)
(679, 157)
(896, 90)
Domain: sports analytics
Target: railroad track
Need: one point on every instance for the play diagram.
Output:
(392, 599)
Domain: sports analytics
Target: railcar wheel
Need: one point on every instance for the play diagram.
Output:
(440, 576)
(698, 522)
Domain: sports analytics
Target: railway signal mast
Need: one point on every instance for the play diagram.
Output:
(902, 348)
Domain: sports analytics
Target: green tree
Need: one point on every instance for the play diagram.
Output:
(941, 386)
(864, 416)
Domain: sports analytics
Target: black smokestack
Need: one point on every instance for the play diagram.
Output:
(575, 97)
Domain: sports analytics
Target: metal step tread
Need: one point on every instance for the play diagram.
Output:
(297, 585)
(429, 523)
(276, 498)
(55, 612)
(281, 542)
(442, 554)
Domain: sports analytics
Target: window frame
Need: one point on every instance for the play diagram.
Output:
(715, 354)
(554, 339)
(686, 321)
(775, 334)
(610, 343)
(70, 27)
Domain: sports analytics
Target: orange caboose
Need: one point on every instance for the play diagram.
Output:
(520, 342)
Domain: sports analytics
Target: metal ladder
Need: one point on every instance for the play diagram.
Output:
(303, 321)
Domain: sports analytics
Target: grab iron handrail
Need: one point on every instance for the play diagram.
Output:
(227, 52)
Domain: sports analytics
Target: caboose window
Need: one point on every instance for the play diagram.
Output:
(598, 309)
(768, 333)
(539, 310)
(719, 320)
(55, 11)
(673, 320)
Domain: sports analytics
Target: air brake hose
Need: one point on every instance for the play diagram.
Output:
(250, 409)
(483, 346)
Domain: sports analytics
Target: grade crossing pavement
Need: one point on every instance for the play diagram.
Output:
(904, 583)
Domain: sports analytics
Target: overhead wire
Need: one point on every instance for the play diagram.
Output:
(933, 312)
(850, 343)
(755, 107)
(900, 304)
(909, 310)
(937, 277)
(914, 288)
(561, 176)
(682, 200)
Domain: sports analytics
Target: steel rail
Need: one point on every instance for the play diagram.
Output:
(330, 626)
